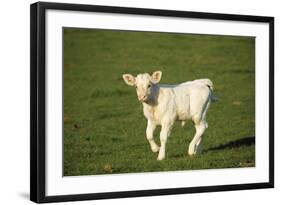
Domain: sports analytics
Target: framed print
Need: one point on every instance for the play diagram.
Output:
(129, 102)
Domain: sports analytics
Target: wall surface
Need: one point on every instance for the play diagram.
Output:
(14, 103)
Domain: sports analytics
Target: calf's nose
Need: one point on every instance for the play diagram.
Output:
(142, 97)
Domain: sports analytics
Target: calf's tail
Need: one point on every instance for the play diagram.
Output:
(210, 85)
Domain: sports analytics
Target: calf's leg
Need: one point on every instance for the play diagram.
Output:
(194, 145)
(164, 134)
(149, 135)
(200, 126)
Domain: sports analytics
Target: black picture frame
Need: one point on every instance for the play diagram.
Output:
(38, 101)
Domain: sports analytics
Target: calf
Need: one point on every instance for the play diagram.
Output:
(164, 104)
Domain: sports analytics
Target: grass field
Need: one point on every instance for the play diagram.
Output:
(104, 127)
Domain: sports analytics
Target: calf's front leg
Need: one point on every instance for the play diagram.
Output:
(149, 135)
(164, 134)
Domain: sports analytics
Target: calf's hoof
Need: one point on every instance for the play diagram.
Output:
(195, 149)
(192, 150)
(160, 157)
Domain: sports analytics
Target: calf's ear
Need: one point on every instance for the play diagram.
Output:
(156, 76)
(129, 79)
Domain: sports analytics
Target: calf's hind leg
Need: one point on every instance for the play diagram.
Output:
(200, 126)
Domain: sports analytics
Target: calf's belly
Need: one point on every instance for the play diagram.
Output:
(183, 113)
(183, 110)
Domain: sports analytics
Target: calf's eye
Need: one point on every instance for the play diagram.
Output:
(149, 86)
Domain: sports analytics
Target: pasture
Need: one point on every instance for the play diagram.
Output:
(104, 126)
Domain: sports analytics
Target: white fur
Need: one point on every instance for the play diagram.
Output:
(164, 104)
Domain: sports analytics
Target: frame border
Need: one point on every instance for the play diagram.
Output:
(38, 103)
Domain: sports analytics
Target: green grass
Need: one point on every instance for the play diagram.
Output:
(104, 127)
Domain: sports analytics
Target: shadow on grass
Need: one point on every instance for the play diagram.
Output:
(247, 141)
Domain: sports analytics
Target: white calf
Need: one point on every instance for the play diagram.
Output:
(164, 104)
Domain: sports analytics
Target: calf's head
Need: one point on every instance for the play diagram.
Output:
(144, 83)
